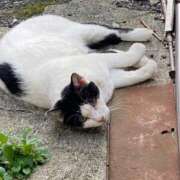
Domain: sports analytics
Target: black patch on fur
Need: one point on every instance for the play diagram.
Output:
(111, 39)
(71, 101)
(11, 79)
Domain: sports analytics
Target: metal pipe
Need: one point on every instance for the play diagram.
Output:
(177, 56)
(168, 29)
(169, 21)
(171, 56)
(163, 4)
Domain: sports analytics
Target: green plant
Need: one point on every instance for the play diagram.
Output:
(34, 8)
(20, 155)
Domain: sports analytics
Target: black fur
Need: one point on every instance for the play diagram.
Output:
(11, 79)
(111, 39)
(72, 99)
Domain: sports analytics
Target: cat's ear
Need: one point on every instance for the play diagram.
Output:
(56, 107)
(77, 81)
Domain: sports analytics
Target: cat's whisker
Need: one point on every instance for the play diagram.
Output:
(114, 105)
(118, 107)
(115, 109)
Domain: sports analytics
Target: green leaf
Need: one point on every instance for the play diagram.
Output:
(7, 177)
(3, 138)
(26, 171)
(2, 171)
(8, 152)
(16, 168)
(28, 149)
(25, 134)
(27, 161)
(34, 141)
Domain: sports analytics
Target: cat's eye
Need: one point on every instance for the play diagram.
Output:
(93, 101)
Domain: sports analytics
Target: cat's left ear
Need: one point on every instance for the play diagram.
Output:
(77, 81)
(56, 107)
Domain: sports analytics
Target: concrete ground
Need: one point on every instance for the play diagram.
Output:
(81, 155)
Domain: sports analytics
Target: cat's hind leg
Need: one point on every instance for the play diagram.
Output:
(99, 36)
(123, 59)
(122, 78)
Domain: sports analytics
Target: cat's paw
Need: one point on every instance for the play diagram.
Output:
(149, 69)
(142, 62)
(90, 123)
(137, 34)
(143, 34)
(138, 48)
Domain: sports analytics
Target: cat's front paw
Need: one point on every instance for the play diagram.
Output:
(144, 34)
(149, 69)
(90, 123)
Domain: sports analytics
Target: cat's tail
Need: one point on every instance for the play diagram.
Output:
(137, 34)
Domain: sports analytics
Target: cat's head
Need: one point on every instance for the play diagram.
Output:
(81, 104)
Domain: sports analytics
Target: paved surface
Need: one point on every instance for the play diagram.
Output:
(142, 139)
(82, 154)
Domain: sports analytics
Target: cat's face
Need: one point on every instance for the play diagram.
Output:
(81, 104)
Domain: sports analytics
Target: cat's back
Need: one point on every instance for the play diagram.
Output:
(38, 40)
(39, 25)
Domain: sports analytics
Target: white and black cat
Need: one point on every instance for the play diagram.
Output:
(54, 63)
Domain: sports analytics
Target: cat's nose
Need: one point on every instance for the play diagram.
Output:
(104, 118)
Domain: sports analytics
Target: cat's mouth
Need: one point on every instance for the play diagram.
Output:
(102, 120)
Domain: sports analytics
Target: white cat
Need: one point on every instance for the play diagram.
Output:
(54, 63)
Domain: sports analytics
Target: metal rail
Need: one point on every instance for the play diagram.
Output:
(168, 11)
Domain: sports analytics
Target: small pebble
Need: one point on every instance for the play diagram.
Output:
(115, 25)
(69, 14)
(164, 132)
(124, 22)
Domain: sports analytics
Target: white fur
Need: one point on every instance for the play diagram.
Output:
(138, 34)
(46, 50)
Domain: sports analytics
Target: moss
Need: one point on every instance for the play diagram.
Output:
(31, 9)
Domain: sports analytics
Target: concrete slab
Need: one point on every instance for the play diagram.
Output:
(142, 138)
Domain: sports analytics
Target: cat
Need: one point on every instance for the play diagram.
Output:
(55, 63)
